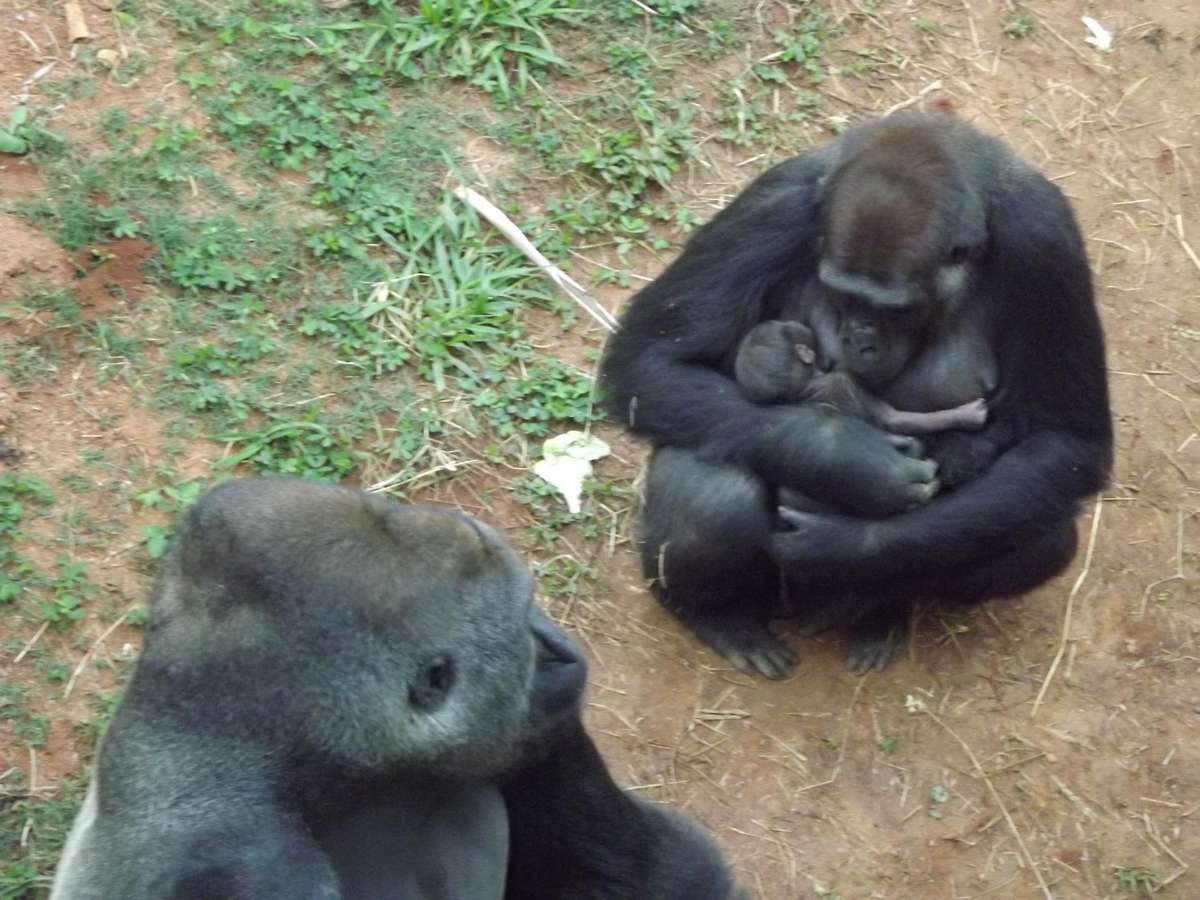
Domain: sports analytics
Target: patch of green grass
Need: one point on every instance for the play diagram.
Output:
(19, 495)
(171, 499)
(668, 14)
(551, 517)
(1019, 26)
(25, 725)
(493, 44)
(21, 134)
(69, 590)
(1135, 879)
(618, 149)
(33, 829)
(306, 447)
(800, 46)
(547, 391)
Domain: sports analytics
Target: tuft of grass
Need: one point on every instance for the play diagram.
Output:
(69, 589)
(33, 829)
(303, 447)
(17, 494)
(493, 44)
(1019, 26)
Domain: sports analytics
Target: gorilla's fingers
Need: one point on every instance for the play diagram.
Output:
(923, 493)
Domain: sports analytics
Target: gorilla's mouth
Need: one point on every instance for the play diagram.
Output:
(552, 649)
(560, 668)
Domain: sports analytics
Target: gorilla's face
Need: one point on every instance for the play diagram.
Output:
(493, 670)
(358, 629)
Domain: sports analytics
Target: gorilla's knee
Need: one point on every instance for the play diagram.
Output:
(1015, 572)
(698, 506)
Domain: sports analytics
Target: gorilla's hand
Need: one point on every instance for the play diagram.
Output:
(962, 456)
(822, 549)
(846, 462)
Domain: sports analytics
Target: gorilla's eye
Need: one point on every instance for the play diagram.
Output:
(432, 683)
(959, 254)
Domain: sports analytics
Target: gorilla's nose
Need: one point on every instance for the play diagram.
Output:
(553, 644)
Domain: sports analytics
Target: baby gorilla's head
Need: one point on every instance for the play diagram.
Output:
(776, 361)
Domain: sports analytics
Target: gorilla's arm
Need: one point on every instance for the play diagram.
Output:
(661, 370)
(1052, 401)
(575, 833)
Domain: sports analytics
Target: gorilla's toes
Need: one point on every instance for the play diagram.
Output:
(747, 642)
(773, 660)
(871, 652)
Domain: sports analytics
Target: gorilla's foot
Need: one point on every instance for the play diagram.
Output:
(741, 637)
(873, 645)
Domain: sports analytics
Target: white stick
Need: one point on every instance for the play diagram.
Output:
(565, 282)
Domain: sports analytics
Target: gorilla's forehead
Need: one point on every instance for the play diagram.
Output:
(285, 544)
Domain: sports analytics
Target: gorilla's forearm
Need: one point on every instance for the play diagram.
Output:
(1032, 488)
(683, 404)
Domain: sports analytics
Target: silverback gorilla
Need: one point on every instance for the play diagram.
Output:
(343, 697)
(952, 271)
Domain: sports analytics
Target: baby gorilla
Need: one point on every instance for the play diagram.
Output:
(777, 363)
(341, 696)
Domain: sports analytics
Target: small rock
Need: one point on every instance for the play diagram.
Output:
(108, 57)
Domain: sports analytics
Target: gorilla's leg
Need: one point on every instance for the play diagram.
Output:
(1013, 572)
(429, 841)
(703, 529)
(882, 610)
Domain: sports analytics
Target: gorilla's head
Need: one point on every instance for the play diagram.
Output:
(369, 633)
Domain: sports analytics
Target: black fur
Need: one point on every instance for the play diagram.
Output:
(1006, 522)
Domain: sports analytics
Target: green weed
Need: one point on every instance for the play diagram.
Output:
(301, 447)
(493, 44)
(33, 829)
(1135, 879)
(17, 494)
(170, 499)
(548, 391)
(69, 589)
(1019, 26)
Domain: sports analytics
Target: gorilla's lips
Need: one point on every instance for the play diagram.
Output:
(561, 670)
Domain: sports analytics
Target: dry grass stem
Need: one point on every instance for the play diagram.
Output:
(1066, 626)
(561, 279)
(92, 650)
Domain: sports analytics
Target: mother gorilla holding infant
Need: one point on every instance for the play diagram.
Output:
(939, 268)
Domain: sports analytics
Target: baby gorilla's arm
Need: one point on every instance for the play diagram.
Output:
(968, 417)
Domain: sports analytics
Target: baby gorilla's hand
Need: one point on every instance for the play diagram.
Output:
(973, 415)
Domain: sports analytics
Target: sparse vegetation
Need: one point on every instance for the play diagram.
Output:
(315, 301)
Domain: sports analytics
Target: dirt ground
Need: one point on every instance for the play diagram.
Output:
(1048, 746)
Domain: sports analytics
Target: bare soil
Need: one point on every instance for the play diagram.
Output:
(1046, 746)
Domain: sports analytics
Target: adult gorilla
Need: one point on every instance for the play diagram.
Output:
(937, 268)
(343, 697)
